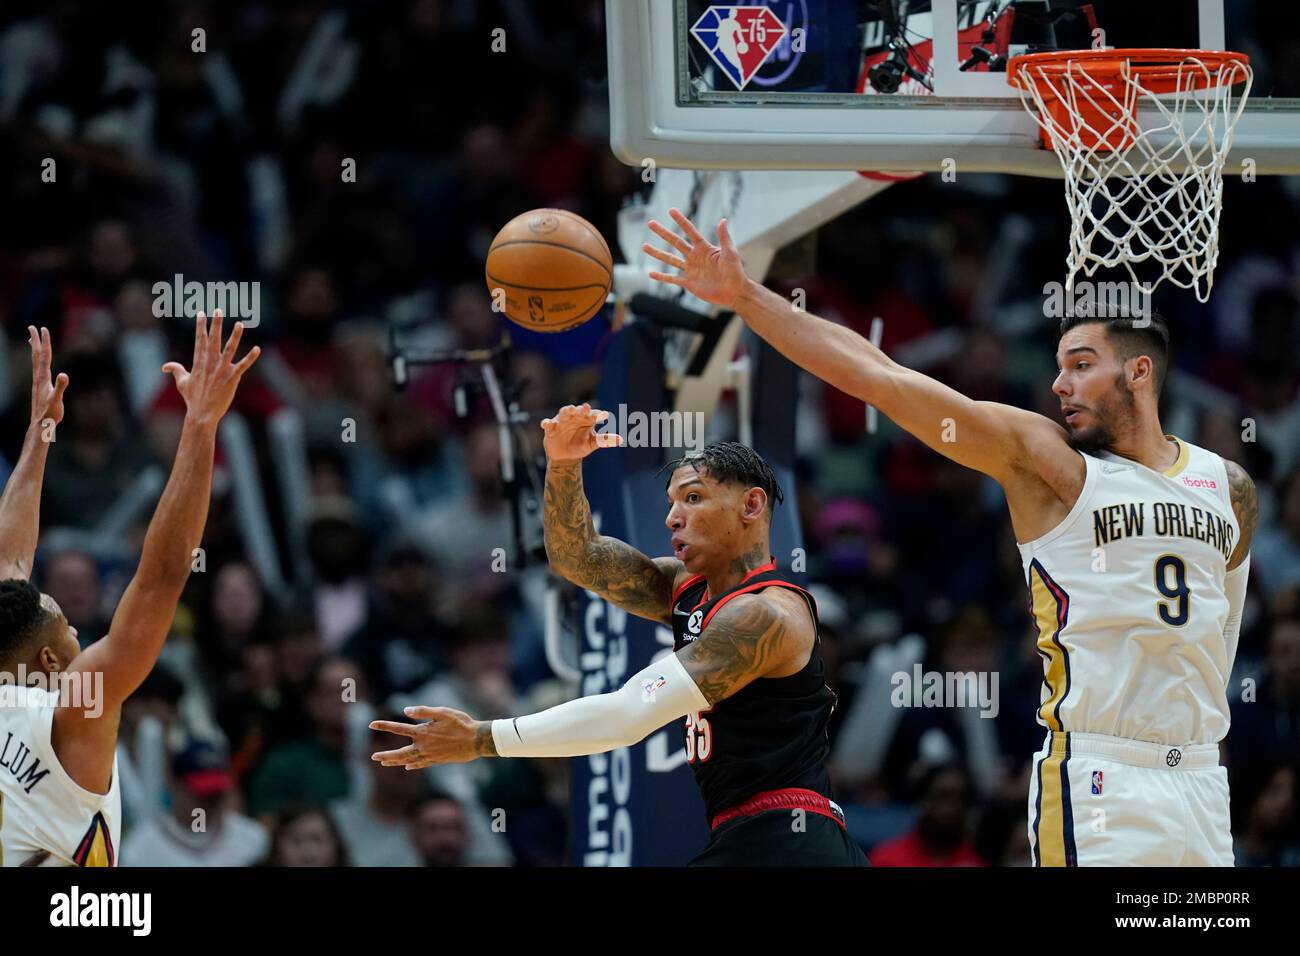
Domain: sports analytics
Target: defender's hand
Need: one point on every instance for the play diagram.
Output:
(47, 394)
(571, 434)
(209, 386)
(712, 273)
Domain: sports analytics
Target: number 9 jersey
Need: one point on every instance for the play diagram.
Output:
(1129, 602)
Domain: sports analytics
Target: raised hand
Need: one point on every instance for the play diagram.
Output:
(47, 394)
(571, 434)
(712, 273)
(208, 387)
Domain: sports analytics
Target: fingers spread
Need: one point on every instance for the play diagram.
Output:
(687, 226)
(392, 727)
(670, 237)
(237, 333)
(670, 280)
(724, 236)
(247, 361)
(200, 338)
(214, 334)
(663, 257)
(395, 758)
(426, 713)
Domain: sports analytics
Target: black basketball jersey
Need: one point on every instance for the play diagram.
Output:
(771, 735)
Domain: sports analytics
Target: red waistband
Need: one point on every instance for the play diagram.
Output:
(791, 798)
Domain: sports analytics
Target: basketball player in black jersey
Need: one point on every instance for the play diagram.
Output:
(746, 674)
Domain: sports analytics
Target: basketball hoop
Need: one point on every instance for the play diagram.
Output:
(1143, 136)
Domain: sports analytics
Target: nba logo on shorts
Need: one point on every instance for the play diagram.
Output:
(1096, 783)
(739, 39)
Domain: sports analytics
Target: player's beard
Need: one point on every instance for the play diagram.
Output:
(1118, 406)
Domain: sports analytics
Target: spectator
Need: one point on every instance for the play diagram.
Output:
(377, 827)
(313, 769)
(200, 829)
(1266, 718)
(941, 836)
(306, 836)
(71, 577)
(1268, 835)
(1275, 552)
(398, 645)
(441, 836)
(96, 457)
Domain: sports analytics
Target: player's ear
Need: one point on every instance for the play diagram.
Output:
(1140, 369)
(755, 504)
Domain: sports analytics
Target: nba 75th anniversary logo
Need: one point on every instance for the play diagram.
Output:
(739, 39)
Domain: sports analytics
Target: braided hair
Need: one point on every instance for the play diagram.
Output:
(730, 462)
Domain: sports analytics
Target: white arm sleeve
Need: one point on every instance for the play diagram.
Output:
(1234, 586)
(661, 693)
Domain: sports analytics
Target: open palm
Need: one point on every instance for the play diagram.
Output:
(712, 273)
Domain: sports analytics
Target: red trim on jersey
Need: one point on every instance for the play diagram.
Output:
(739, 591)
(791, 798)
(685, 584)
(696, 578)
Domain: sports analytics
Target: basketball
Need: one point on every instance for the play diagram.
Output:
(549, 270)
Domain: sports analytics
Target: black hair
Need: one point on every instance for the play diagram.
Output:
(731, 462)
(1131, 338)
(22, 617)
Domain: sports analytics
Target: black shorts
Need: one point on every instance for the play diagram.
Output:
(775, 838)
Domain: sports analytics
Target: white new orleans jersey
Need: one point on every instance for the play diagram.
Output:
(41, 807)
(1129, 602)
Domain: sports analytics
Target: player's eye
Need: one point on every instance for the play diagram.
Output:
(693, 496)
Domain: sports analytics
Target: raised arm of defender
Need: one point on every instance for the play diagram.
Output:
(998, 440)
(144, 615)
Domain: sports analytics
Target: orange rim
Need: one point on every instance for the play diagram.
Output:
(1161, 71)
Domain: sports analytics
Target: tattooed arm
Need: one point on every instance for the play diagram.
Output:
(1245, 505)
(612, 568)
(752, 636)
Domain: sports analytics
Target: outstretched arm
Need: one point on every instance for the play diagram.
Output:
(20, 508)
(995, 439)
(614, 569)
(752, 636)
(144, 615)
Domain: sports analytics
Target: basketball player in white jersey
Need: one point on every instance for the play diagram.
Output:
(59, 798)
(1136, 551)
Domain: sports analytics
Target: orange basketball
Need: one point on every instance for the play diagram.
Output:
(553, 270)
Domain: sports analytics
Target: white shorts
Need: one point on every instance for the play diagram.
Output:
(1096, 800)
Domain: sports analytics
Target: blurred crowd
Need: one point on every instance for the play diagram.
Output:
(335, 551)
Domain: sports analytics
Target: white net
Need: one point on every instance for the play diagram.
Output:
(1142, 138)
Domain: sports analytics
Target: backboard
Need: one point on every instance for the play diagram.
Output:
(903, 84)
